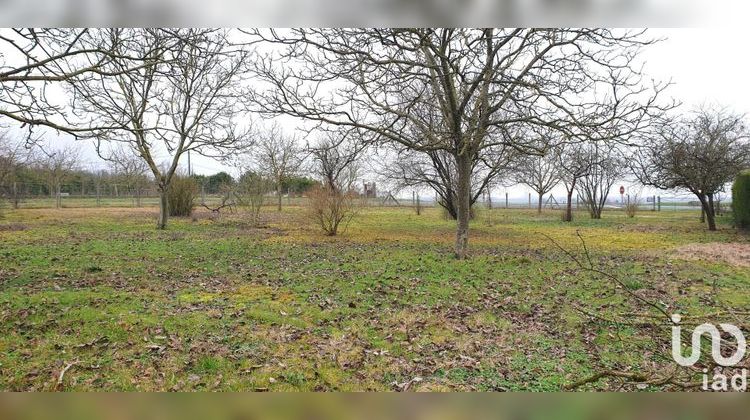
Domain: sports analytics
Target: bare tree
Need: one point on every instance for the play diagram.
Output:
(540, 173)
(278, 155)
(479, 83)
(335, 160)
(573, 166)
(58, 165)
(700, 154)
(436, 169)
(33, 62)
(604, 169)
(131, 169)
(187, 98)
(13, 156)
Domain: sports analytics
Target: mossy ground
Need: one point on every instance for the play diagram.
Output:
(221, 305)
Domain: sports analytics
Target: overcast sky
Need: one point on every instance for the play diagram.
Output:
(706, 65)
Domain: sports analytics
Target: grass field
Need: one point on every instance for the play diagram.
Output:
(97, 299)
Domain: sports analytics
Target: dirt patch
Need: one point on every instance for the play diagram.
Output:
(737, 254)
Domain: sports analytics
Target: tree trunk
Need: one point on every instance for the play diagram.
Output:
(463, 196)
(710, 213)
(568, 217)
(163, 207)
(58, 199)
(539, 205)
(707, 213)
(596, 209)
(278, 194)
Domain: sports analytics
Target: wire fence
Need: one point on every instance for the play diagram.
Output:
(80, 195)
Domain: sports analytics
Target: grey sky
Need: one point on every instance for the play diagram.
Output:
(707, 65)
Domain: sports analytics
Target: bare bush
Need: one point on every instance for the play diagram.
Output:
(631, 206)
(332, 210)
(251, 194)
(181, 196)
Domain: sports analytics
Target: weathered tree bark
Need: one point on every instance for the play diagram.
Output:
(464, 205)
(163, 206)
(707, 211)
(710, 213)
(568, 217)
(539, 206)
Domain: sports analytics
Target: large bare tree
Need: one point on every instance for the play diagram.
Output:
(278, 156)
(479, 83)
(700, 153)
(188, 98)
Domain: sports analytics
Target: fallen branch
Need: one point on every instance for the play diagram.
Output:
(58, 385)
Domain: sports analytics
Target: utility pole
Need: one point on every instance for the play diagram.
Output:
(190, 169)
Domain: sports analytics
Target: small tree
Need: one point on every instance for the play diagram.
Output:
(700, 154)
(604, 169)
(741, 200)
(58, 166)
(540, 173)
(573, 166)
(278, 156)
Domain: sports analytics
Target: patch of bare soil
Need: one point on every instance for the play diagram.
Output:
(737, 254)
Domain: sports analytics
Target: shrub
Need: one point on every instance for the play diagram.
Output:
(632, 205)
(251, 192)
(332, 210)
(181, 196)
(741, 200)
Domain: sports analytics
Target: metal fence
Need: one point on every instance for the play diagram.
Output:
(38, 195)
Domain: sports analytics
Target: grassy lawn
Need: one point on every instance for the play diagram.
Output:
(222, 305)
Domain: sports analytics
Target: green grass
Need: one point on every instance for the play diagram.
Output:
(220, 305)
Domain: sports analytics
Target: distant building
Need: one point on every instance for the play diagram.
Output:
(370, 189)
